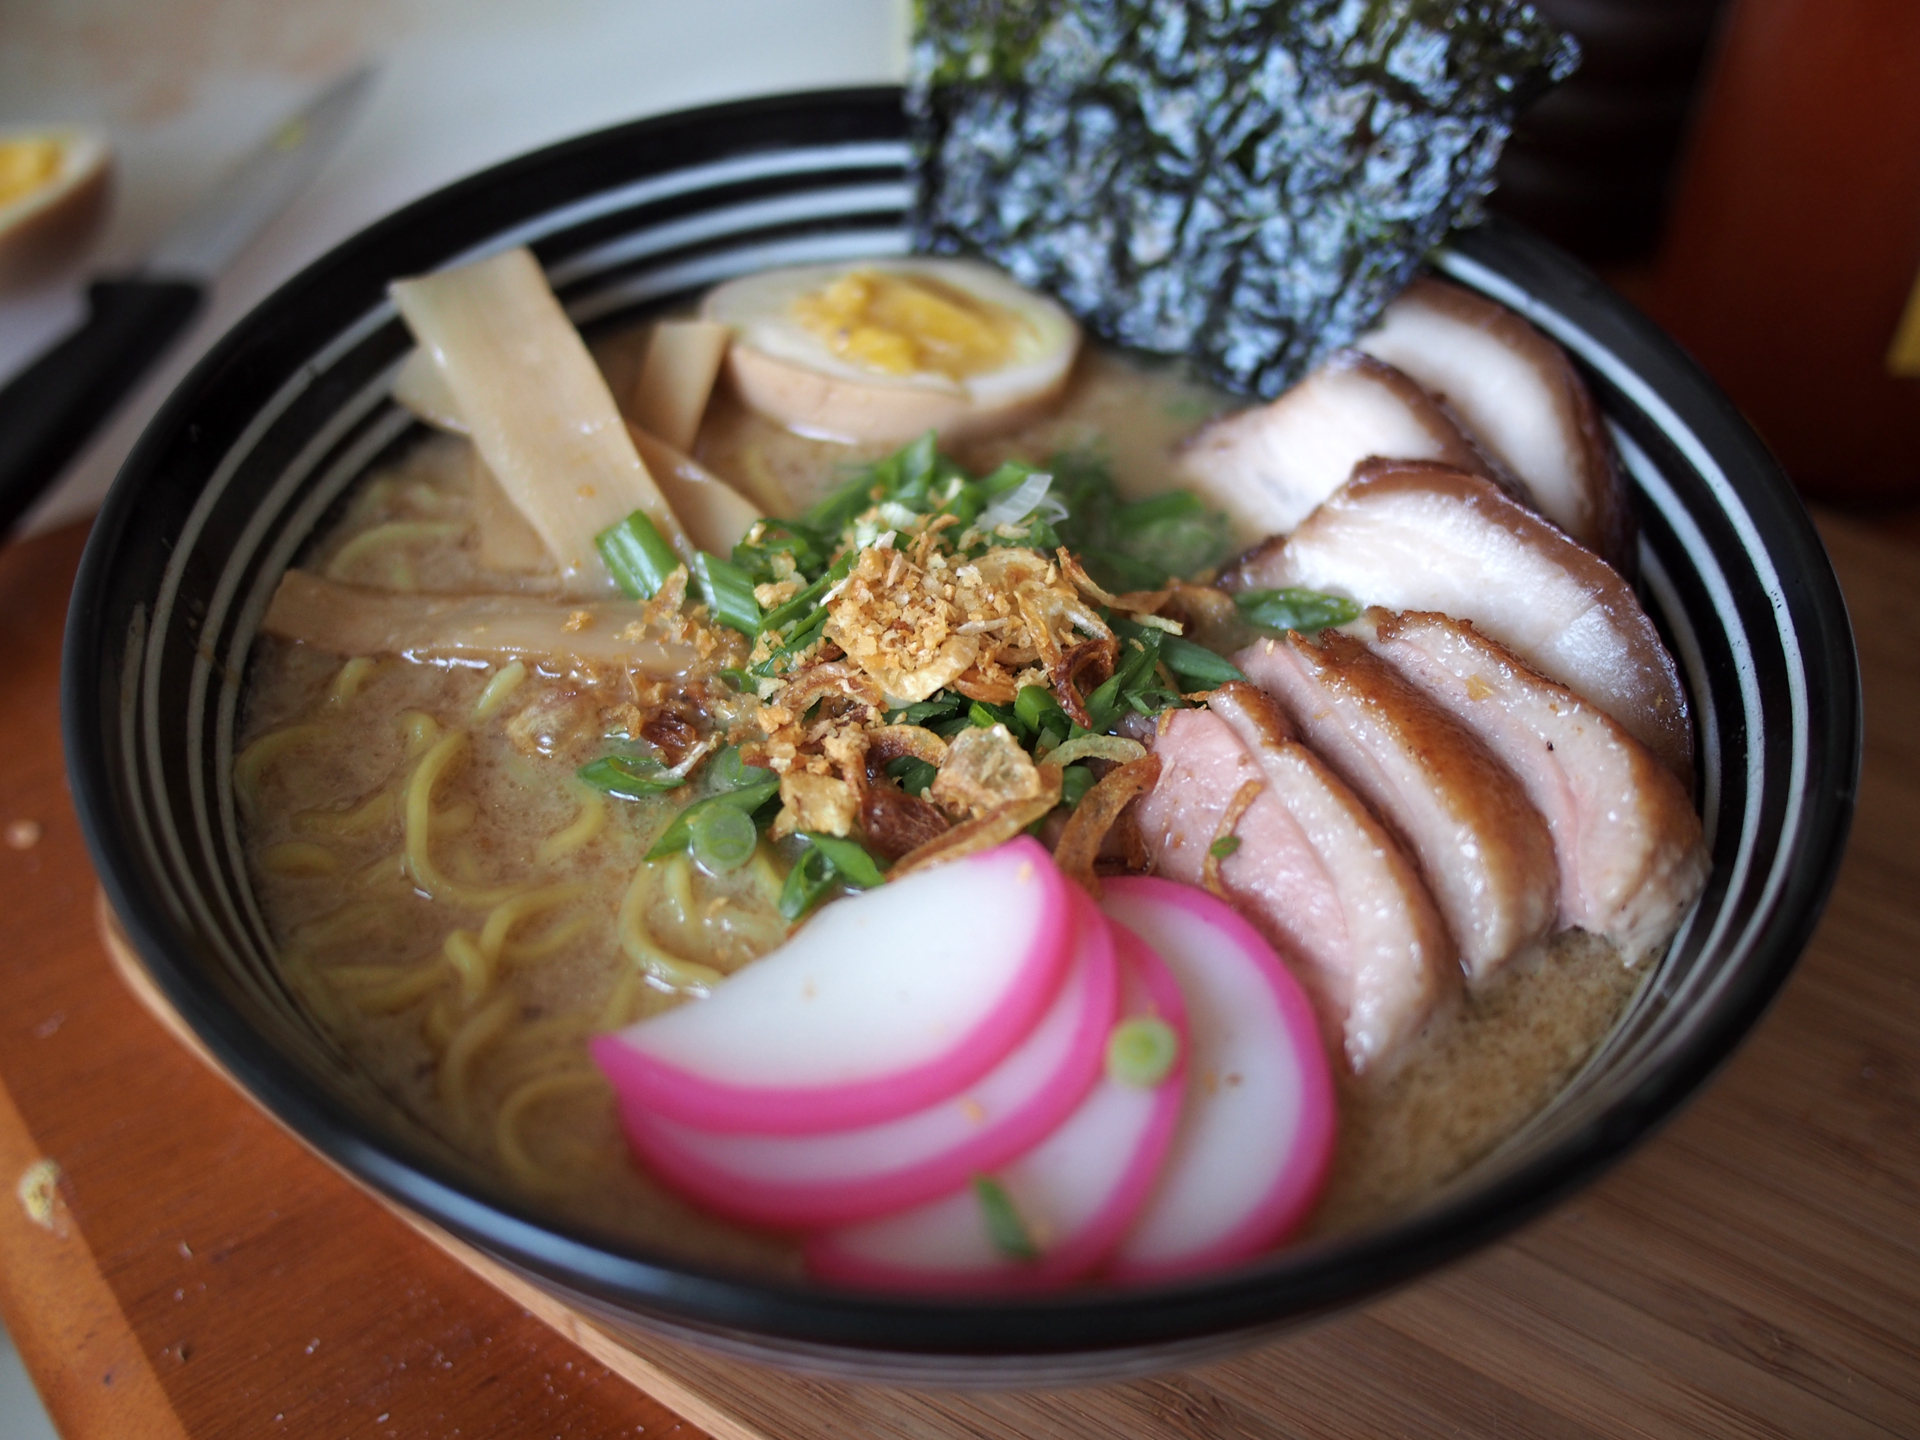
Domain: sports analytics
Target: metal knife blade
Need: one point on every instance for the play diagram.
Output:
(209, 235)
(50, 409)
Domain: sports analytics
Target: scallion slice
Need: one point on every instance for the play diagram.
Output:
(1075, 781)
(1195, 664)
(679, 834)
(728, 591)
(722, 839)
(637, 556)
(1005, 1227)
(856, 868)
(1141, 1052)
(1307, 611)
(629, 777)
(914, 774)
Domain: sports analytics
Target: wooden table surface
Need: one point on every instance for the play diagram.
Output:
(172, 1265)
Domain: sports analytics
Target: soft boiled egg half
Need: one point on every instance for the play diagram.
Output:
(885, 350)
(53, 198)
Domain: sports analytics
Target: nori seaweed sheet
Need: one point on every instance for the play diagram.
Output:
(1244, 184)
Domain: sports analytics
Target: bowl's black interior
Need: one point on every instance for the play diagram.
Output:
(250, 453)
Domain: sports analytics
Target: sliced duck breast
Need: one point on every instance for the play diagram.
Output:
(1625, 835)
(1425, 537)
(1392, 954)
(1520, 398)
(1269, 466)
(1483, 849)
(1313, 870)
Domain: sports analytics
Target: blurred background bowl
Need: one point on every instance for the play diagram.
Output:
(248, 457)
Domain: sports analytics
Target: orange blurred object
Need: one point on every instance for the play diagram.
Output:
(1793, 250)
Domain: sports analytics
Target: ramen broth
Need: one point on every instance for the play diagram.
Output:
(473, 1010)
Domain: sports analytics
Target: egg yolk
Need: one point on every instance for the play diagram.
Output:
(25, 166)
(900, 324)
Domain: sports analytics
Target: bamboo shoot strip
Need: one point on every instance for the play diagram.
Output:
(676, 379)
(349, 620)
(716, 516)
(421, 388)
(537, 407)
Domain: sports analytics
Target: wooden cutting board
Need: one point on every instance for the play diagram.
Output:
(1754, 1270)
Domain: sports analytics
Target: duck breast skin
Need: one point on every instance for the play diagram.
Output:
(1625, 835)
(1425, 537)
(1518, 395)
(1483, 849)
(1314, 871)
(1269, 466)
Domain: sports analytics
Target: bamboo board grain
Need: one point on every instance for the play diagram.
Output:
(1753, 1271)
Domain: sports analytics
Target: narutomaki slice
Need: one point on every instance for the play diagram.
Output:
(1519, 396)
(794, 1182)
(882, 1004)
(1483, 849)
(1072, 1196)
(1426, 537)
(1256, 1131)
(1313, 869)
(1625, 835)
(1269, 466)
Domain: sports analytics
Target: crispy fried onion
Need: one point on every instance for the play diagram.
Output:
(893, 742)
(896, 823)
(1116, 748)
(1230, 817)
(815, 802)
(1134, 602)
(922, 621)
(830, 677)
(1096, 814)
(986, 769)
(983, 832)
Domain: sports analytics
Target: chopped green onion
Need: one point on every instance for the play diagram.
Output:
(1224, 846)
(722, 839)
(805, 605)
(984, 715)
(1196, 664)
(1005, 1228)
(1036, 709)
(728, 592)
(727, 771)
(1141, 1052)
(678, 835)
(914, 774)
(801, 638)
(1103, 704)
(1307, 611)
(1134, 673)
(1075, 781)
(944, 703)
(807, 884)
(629, 777)
(807, 549)
(637, 556)
(1174, 532)
(828, 861)
(857, 869)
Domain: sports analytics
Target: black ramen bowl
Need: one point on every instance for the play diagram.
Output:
(251, 452)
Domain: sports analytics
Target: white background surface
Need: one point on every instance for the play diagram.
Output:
(185, 87)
